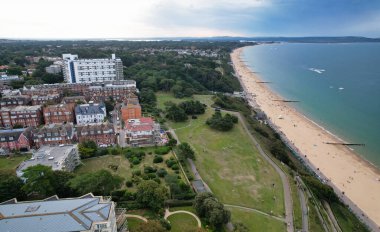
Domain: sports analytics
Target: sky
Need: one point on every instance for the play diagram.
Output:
(112, 19)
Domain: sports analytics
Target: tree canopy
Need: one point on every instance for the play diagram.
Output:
(101, 183)
(151, 194)
(222, 123)
(185, 151)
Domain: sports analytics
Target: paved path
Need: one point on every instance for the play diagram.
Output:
(137, 216)
(255, 210)
(304, 209)
(168, 214)
(332, 217)
(284, 178)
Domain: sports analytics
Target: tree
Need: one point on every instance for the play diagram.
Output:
(150, 226)
(192, 107)
(209, 208)
(172, 142)
(222, 123)
(185, 151)
(152, 195)
(175, 113)
(87, 149)
(39, 180)
(148, 98)
(101, 183)
(240, 227)
(10, 186)
(61, 183)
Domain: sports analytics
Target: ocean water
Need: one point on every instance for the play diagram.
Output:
(338, 86)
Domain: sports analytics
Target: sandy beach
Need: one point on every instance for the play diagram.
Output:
(344, 169)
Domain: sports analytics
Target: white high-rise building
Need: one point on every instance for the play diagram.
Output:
(91, 70)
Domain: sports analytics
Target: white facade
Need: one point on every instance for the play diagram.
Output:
(91, 70)
(90, 113)
(53, 69)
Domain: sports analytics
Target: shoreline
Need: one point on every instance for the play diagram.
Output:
(355, 180)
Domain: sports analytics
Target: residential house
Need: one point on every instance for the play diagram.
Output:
(142, 132)
(102, 134)
(90, 113)
(24, 116)
(62, 157)
(74, 99)
(16, 139)
(15, 100)
(87, 213)
(60, 113)
(46, 99)
(54, 134)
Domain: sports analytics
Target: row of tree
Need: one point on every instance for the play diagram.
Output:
(220, 122)
(180, 112)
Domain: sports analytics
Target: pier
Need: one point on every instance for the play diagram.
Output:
(346, 144)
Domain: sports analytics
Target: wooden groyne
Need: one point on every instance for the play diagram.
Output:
(263, 82)
(346, 144)
(286, 100)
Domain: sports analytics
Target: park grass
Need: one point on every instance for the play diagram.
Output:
(124, 169)
(11, 163)
(230, 164)
(186, 208)
(255, 221)
(347, 221)
(297, 212)
(133, 223)
(315, 223)
(182, 221)
(163, 97)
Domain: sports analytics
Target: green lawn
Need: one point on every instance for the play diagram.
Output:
(11, 163)
(314, 223)
(182, 221)
(230, 164)
(133, 223)
(124, 169)
(255, 221)
(163, 97)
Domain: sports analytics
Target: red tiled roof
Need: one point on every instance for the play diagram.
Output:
(146, 120)
(139, 127)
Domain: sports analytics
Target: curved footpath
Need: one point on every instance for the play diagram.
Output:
(136, 216)
(168, 214)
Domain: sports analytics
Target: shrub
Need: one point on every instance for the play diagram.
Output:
(149, 169)
(129, 183)
(158, 159)
(136, 173)
(157, 180)
(170, 163)
(152, 175)
(175, 167)
(161, 172)
(162, 150)
(135, 161)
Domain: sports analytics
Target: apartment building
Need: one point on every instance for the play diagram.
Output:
(87, 213)
(54, 69)
(142, 132)
(77, 70)
(24, 116)
(54, 134)
(102, 134)
(60, 113)
(90, 113)
(16, 139)
(62, 157)
(74, 100)
(117, 90)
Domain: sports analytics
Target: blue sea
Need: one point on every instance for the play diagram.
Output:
(338, 86)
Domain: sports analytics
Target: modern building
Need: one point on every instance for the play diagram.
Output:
(90, 113)
(54, 134)
(130, 109)
(142, 132)
(24, 116)
(53, 69)
(102, 134)
(61, 113)
(6, 80)
(62, 157)
(87, 213)
(16, 139)
(91, 70)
